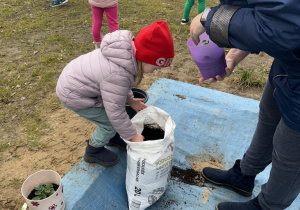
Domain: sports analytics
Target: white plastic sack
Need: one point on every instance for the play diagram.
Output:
(149, 163)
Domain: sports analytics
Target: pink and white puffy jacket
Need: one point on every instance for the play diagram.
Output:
(103, 3)
(103, 78)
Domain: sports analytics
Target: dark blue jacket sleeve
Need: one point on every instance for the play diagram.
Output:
(272, 26)
(262, 25)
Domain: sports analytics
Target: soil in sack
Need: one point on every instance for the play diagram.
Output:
(32, 194)
(153, 132)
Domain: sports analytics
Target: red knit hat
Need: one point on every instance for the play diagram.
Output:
(154, 44)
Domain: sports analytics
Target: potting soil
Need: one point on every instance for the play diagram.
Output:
(153, 132)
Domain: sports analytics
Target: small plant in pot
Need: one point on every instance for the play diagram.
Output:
(44, 190)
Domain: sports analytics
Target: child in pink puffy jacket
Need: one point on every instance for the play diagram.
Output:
(110, 8)
(98, 85)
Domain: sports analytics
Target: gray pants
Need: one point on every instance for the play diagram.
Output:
(274, 142)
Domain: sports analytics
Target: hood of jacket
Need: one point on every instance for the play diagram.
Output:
(117, 47)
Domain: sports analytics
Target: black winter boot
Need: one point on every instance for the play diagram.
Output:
(250, 205)
(100, 155)
(118, 142)
(232, 178)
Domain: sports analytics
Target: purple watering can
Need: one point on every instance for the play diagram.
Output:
(209, 58)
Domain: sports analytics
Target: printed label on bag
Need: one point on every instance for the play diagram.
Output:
(140, 168)
(135, 205)
(162, 163)
(137, 191)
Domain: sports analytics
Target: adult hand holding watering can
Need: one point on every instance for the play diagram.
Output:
(209, 57)
(233, 57)
(197, 26)
(215, 68)
(196, 29)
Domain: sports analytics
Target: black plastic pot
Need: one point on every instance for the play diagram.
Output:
(137, 93)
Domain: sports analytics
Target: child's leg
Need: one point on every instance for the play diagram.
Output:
(201, 6)
(104, 131)
(97, 23)
(112, 18)
(187, 9)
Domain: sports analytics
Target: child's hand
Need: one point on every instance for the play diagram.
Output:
(137, 138)
(137, 104)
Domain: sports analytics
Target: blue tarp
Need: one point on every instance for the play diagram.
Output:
(208, 122)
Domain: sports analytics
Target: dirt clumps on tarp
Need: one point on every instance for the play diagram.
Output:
(193, 175)
(188, 176)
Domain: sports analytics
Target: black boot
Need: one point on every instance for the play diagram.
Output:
(250, 205)
(100, 155)
(118, 142)
(232, 178)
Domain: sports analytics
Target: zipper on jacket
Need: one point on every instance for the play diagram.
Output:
(279, 75)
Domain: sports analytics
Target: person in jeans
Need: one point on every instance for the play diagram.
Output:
(99, 7)
(273, 27)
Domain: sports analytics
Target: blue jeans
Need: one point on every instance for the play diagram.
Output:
(104, 131)
(274, 142)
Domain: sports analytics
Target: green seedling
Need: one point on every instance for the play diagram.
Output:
(43, 191)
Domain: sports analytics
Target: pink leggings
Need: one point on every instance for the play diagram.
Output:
(112, 19)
